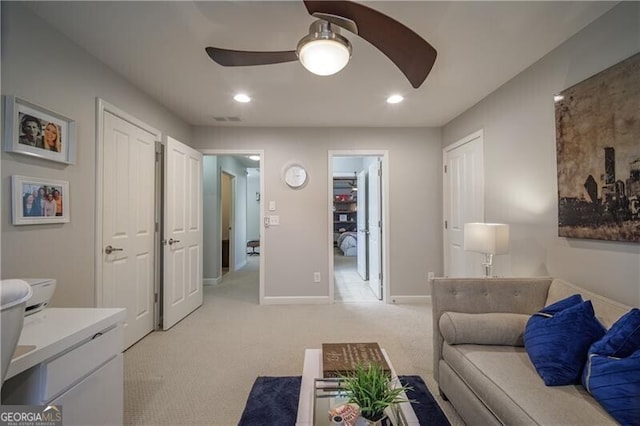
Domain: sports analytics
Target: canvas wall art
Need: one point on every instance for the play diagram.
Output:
(598, 155)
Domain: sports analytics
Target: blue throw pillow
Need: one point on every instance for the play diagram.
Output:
(615, 384)
(612, 372)
(622, 339)
(561, 305)
(557, 341)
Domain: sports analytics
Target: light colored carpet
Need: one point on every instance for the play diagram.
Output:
(201, 371)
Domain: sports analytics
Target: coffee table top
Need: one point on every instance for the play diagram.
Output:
(312, 370)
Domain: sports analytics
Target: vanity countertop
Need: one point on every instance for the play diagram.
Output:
(54, 330)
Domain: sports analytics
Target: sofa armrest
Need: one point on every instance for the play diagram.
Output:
(483, 295)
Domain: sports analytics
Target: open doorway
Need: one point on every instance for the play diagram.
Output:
(357, 253)
(232, 211)
(227, 195)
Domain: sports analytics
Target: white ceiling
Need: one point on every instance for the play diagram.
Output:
(159, 47)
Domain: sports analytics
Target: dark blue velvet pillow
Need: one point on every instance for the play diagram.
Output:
(622, 339)
(558, 338)
(615, 384)
(612, 372)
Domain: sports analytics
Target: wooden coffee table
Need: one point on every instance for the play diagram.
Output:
(311, 371)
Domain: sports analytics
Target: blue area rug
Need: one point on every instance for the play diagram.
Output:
(274, 401)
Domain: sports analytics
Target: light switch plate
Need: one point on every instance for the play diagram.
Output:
(272, 206)
(274, 220)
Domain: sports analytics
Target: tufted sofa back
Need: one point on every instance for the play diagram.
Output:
(608, 311)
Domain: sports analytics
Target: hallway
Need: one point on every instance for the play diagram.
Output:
(349, 286)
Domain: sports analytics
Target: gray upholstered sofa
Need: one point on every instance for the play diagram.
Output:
(483, 369)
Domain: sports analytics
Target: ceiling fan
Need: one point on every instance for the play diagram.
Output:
(324, 51)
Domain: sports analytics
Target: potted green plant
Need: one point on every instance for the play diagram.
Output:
(373, 390)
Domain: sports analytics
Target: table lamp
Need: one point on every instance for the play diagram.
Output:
(488, 239)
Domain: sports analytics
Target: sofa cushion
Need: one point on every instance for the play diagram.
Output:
(612, 372)
(558, 338)
(483, 329)
(505, 381)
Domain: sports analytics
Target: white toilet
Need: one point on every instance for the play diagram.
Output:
(13, 299)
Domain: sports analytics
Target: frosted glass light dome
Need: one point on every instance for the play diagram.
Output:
(324, 57)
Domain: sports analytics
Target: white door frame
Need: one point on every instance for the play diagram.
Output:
(232, 219)
(386, 266)
(263, 235)
(103, 106)
(445, 190)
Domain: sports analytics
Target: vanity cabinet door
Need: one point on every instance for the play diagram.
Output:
(96, 400)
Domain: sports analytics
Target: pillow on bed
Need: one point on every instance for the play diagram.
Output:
(558, 338)
(483, 329)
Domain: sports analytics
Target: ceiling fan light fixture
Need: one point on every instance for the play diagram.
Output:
(324, 51)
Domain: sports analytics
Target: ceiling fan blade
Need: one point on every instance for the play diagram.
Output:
(410, 52)
(238, 58)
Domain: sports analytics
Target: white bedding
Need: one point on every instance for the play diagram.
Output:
(348, 243)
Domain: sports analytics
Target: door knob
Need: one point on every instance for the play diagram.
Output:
(172, 241)
(110, 249)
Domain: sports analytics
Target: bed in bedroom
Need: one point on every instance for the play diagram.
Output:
(348, 243)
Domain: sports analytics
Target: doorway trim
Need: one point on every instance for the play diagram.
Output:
(232, 219)
(263, 235)
(386, 265)
(103, 106)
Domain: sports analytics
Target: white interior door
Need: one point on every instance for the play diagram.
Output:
(182, 277)
(463, 202)
(375, 229)
(361, 218)
(128, 226)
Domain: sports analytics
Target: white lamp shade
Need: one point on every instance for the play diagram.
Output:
(324, 57)
(492, 238)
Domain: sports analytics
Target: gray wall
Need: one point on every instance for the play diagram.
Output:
(415, 216)
(44, 67)
(520, 160)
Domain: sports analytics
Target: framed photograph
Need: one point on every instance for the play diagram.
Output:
(33, 130)
(36, 201)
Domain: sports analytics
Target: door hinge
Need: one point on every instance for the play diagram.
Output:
(380, 276)
(157, 227)
(446, 225)
(445, 168)
(380, 224)
(157, 157)
(155, 298)
(380, 172)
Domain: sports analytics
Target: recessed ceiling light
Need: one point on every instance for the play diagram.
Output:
(241, 97)
(394, 99)
(254, 157)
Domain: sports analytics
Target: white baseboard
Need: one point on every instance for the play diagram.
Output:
(212, 281)
(295, 300)
(410, 299)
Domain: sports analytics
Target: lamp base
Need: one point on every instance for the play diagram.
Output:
(488, 264)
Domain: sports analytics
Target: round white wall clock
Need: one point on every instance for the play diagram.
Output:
(295, 176)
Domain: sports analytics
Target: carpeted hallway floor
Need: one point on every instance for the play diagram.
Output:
(201, 371)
